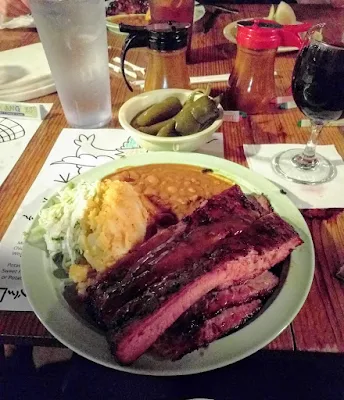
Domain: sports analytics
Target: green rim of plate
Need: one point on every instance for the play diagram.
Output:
(44, 290)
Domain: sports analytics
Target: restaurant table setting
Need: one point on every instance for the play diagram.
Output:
(208, 101)
(75, 152)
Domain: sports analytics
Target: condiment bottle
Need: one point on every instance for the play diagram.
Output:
(252, 83)
(167, 44)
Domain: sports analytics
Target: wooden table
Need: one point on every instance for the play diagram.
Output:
(320, 324)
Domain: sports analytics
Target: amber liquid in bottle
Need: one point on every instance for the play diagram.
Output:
(179, 11)
(251, 83)
(167, 69)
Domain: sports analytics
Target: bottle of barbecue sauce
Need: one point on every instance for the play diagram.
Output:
(251, 85)
(167, 44)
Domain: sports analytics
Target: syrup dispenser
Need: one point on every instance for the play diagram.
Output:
(167, 44)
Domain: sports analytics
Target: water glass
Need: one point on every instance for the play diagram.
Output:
(73, 34)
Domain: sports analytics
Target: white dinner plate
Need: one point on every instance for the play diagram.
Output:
(230, 32)
(199, 13)
(45, 290)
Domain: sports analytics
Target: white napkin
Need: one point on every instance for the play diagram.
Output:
(326, 195)
(24, 21)
(25, 73)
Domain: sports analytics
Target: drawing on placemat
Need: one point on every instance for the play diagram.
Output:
(2, 294)
(14, 293)
(10, 130)
(87, 156)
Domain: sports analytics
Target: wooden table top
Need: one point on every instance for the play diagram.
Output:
(320, 324)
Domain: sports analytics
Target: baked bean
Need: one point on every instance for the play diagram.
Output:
(134, 175)
(179, 187)
(150, 192)
(171, 189)
(152, 179)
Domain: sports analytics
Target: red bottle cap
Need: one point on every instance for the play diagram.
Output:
(258, 34)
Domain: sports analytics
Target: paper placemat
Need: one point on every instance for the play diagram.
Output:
(74, 152)
(15, 134)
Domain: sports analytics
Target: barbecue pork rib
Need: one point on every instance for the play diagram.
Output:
(183, 336)
(217, 300)
(135, 326)
(174, 347)
(226, 214)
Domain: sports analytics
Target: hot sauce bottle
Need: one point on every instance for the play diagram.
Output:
(251, 85)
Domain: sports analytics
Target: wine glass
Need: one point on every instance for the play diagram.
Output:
(318, 90)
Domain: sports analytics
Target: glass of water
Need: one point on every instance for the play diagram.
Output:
(73, 34)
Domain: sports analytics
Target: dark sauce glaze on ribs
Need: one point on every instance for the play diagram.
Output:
(172, 279)
(224, 215)
(208, 317)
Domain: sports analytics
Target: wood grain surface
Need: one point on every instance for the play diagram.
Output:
(320, 324)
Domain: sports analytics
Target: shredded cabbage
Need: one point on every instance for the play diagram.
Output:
(59, 224)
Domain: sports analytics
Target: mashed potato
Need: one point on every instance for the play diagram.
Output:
(114, 221)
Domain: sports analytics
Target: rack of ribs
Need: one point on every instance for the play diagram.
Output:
(227, 242)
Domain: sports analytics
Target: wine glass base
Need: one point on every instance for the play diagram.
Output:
(319, 172)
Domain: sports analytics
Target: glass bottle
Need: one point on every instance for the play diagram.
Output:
(178, 11)
(251, 85)
(167, 44)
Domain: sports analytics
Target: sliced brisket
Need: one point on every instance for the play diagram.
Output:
(226, 214)
(176, 346)
(182, 336)
(262, 285)
(138, 324)
(217, 300)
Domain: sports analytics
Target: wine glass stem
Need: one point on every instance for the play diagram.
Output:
(308, 160)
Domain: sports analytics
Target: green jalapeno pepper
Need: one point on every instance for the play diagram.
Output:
(204, 109)
(185, 122)
(170, 118)
(134, 123)
(159, 112)
(167, 129)
(154, 129)
(195, 115)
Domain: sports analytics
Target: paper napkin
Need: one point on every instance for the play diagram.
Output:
(24, 21)
(326, 195)
(21, 79)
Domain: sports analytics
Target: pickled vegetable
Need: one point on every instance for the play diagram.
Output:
(169, 118)
(154, 129)
(134, 123)
(159, 112)
(204, 109)
(167, 129)
(185, 122)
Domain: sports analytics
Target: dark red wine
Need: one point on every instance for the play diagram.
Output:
(318, 82)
